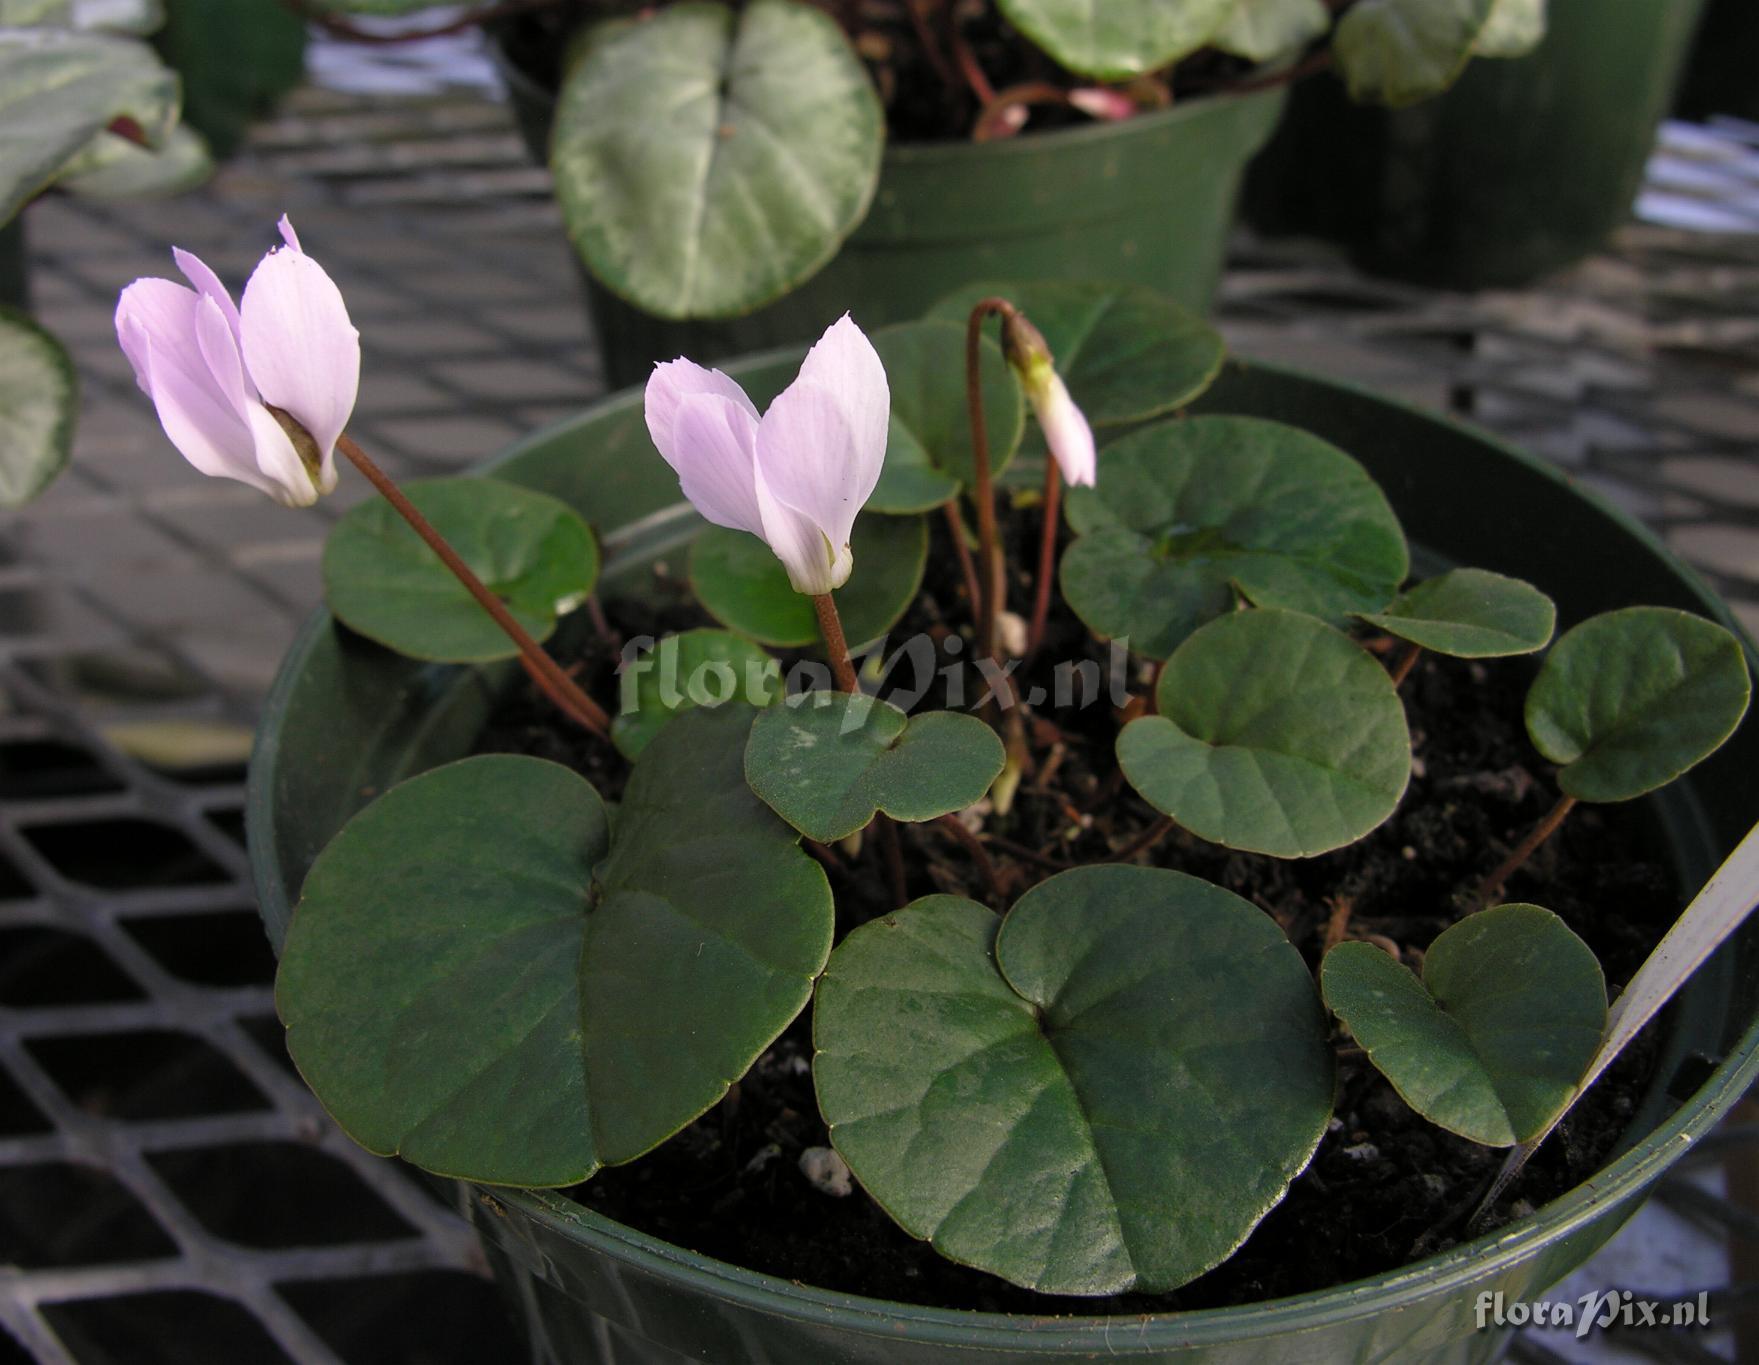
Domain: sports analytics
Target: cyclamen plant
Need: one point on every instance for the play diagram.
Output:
(1084, 1082)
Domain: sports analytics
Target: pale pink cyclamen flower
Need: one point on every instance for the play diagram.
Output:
(1065, 428)
(797, 475)
(216, 373)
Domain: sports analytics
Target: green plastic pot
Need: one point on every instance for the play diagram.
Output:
(236, 57)
(1722, 74)
(1146, 201)
(347, 719)
(1521, 168)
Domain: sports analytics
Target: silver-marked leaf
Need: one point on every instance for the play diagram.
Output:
(1490, 1042)
(1628, 700)
(693, 668)
(1276, 734)
(1116, 39)
(744, 586)
(708, 162)
(480, 978)
(1104, 1091)
(1188, 515)
(531, 550)
(38, 400)
(1126, 352)
(1470, 614)
(1260, 30)
(928, 448)
(112, 167)
(1514, 29)
(1397, 52)
(60, 89)
(827, 761)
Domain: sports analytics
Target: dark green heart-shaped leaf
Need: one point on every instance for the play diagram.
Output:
(1259, 30)
(1491, 1042)
(695, 668)
(529, 549)
(38, 399)
(59, 90)
(1470, 614)
(1126, 352)
(711, 926)
(475, 979)
(1106, 1094)
(746, 589)
(1116, 39)
(1630, 699)
(1400, 51)
(928, 450)
(707, 163)
(1188, 514)
(430, 979)
(1276, 734)
(826, 761)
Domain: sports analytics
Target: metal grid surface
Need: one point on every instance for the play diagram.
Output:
(169, 1191)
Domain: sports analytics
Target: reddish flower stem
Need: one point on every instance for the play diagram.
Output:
(1524, 850)
(1047, 555)
(983, 493)
(556, 684)
(980, 858)
(967, 565)
(1144, 841)
(830, 625)
(1406, 661)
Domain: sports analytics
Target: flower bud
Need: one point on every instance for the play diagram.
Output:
(1065, 430)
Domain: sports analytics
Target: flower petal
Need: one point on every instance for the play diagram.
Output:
(1066, 432)
(300, 349)
(196, 271)
(814, 563)
(712, 452)
(670, 385)
(812, 462)
(844, 362)
(219, 350)
(285, 225)
(161, 309)
(290, 482)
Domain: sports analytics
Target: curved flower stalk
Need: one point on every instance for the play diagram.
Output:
(259, 393)
(796, 476)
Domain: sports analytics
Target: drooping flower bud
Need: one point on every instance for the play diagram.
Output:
(257, 393)
(794, 477)
(1065, 430)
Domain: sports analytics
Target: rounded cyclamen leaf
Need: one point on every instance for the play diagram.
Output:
(1261, 30)
(1276, 734)
(1491, 1042)
(482, 980)
(928, 450)
(1113, 40)
(1105, 1091)
(430, 979)
(744, 586)
(708, 162)
(1191, 514)
(1397, 52)
(531, 550)
(694, 668)
(1126, 352)
(1627, 701)
(1470, 614)
(827, 761)
(38, 400)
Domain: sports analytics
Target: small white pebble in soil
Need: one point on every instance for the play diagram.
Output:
(1408, 853)
(827, 1171)
(972, 817)
(1362, 1151)
(1334, 1125)
(1418, 769)
(1436, 1185)
(1520, 1209)
(799, 1066)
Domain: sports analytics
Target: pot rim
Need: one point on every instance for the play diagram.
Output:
(1625, 1177)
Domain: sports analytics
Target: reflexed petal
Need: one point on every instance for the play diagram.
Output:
(674, 381)
(815, 565)
(1066, 432)
(300, 349)
(162, 310)
(196, 417)
(196, 271)
(844, 362)
(219, 350)
(712, 445)
(811, 460)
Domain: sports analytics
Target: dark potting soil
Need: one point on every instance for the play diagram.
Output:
(1385, 1187)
